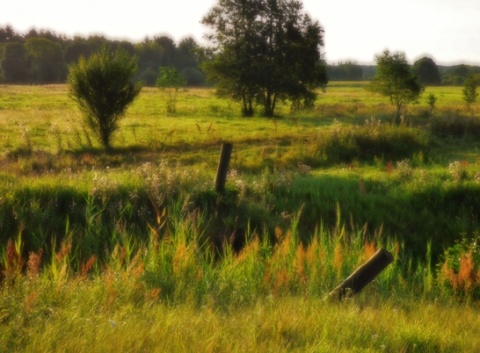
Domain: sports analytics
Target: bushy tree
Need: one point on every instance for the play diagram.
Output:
(395, 80)
(187, 53)
(264, 51)
(14, 63)
(193, 76)
(47, 61)
(170, 80)
(76, 49)
(169, 51)
(149, 59)
(103, 88)
(427, 71)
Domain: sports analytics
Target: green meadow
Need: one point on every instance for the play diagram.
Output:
(135, 251)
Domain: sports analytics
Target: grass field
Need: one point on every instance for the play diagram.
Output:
(134, 250)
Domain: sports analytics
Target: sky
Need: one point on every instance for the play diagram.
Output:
(448, 31)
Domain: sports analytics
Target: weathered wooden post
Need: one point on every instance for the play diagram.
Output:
(223, 167)
(362, 275)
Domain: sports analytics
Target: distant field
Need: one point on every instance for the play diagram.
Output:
(48, 119)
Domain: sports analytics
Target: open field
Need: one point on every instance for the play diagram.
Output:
(132, 250)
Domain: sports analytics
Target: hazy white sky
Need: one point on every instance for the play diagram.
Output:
(446, 30)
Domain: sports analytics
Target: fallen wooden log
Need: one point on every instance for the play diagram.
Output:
(362, 276)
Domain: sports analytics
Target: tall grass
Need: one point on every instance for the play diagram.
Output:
(178, 260)
(169, 293)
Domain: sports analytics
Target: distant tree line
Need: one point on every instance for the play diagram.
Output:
(43, 57)
(345, 71)
(457, 74)
(428, 72)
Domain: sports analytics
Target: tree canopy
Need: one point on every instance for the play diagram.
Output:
(264, 51)
(14, 63)
(47, 60)
(427, 71)
(395, 80)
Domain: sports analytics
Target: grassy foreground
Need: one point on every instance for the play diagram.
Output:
(130, 251)
(169, 297)
(290, 324)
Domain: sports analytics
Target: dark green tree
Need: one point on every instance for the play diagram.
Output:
(97, 42)
(149, 55)
(103, 88)
(124, 45)
(460, 73)
(169, 51)
(395, 80)
(8, 34)
(193, 76)
(14, 63)
(264, 51)
(76, 49)
(427, 72)
(47, 61)
(187, 53)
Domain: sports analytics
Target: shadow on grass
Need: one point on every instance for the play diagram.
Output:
(433, 215)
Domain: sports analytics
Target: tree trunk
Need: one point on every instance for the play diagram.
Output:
(247, 106)
(398, 115)
(269, 104)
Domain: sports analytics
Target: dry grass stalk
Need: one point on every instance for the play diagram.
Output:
(338, 258)
(87, 267)
(369, 249)
(14, 262)
(34, 263)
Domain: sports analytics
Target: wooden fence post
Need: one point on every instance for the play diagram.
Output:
(223, 167)
(363, 275)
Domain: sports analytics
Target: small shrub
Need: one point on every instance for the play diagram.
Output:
(171, 80)
(460, 270)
